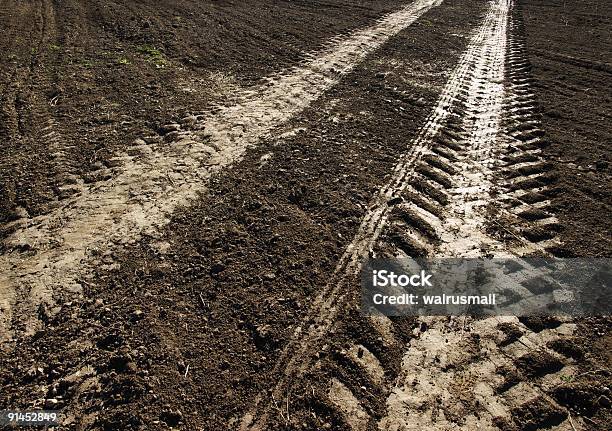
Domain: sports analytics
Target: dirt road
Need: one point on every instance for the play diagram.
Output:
(189, 189)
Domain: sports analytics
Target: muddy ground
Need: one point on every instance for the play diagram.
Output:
(185, 330)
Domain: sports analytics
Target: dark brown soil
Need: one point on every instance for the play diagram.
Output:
(197, 328)
(185, 332)
(568, 44)
(588, 393)
(97, 74)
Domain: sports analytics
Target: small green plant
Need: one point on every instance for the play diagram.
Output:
(149, 50)
(123, 60)
(54, 47)
(154, 55)
(566, 379)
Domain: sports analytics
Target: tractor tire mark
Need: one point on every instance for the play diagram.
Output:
(308, 336)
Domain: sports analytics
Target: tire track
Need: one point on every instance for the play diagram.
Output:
(30, 99)
(440, 202)
(481, 374)
(43, 116)
(308, 337)
(158, 174)
(527, 185)
(496, 372)
(500, 372)
(485, 158)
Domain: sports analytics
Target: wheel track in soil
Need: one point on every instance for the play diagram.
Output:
(295, 357)
(29, 107)
(53, 253)
(35, 108)
(476, 160)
